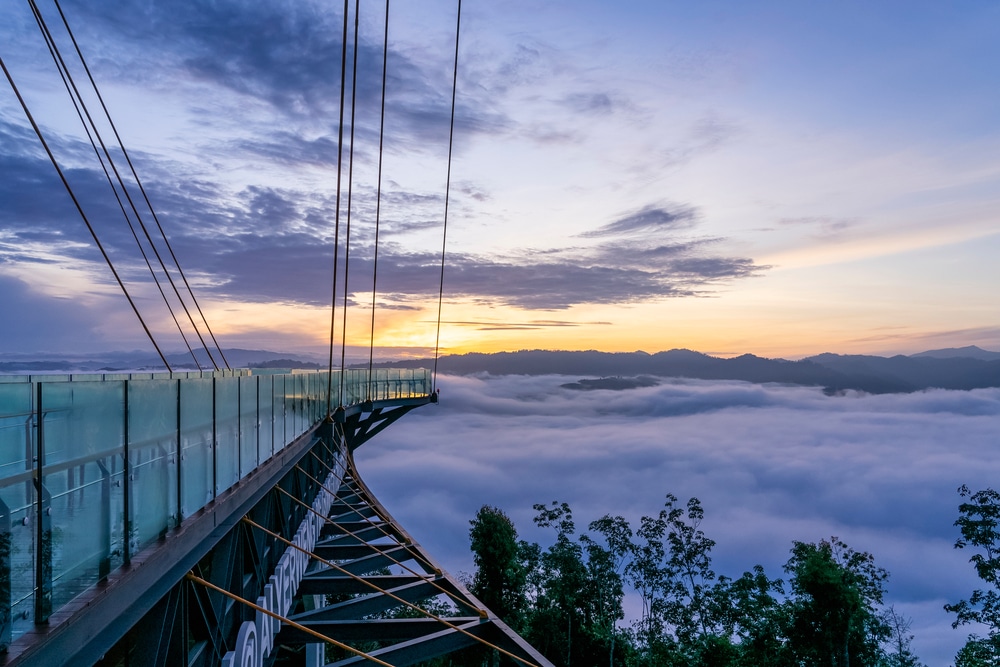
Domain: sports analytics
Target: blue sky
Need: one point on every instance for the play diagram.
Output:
(777, 178)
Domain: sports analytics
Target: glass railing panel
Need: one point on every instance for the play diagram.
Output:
(319, 396)
(265, 414)
(17, 495)
(16, 415)
(248, 425)
(152, 431)
(307, 397)
(298, 380)
(196, 445)
(382, 383)
(104, 499)
(280, 409)
(355, 386)
(227, 433)
(83, 435)
(312, 398)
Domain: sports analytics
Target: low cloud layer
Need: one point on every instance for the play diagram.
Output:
(771, 465)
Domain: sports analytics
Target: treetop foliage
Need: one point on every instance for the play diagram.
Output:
(567, 598)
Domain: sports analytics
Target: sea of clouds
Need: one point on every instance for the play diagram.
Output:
(771, 464)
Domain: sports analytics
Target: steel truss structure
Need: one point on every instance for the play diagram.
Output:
(368, 585)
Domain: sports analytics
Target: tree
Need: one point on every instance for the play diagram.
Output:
(604, 568)
(979, 523)
(646, 574)
(899, 653)
(500, 579)
(689, 568)
(834, 618)
(671, 570)
(752, 609)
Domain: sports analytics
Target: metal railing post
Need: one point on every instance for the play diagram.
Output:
(43, 525)
(215, 441)
(179, 456)
(127, 482)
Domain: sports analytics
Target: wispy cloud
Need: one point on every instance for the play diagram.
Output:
(651, 219)
(230, 236)
(824, 226)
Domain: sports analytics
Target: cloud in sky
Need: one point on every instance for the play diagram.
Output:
(649, 220)
(596, 176)
(771, 464)
(288, 231)
(34, 321)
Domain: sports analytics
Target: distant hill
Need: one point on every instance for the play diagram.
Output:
(968, 352)
(833, 372)
(954, 368)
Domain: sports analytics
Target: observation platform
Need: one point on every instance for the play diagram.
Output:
(216, 519)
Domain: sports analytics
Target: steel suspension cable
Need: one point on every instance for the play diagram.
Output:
(64, 74)
(378, 199)
(350, 188)
(447, 193)
(191, 576)
(334, 566)
(79, 209)
(385, 554)
(142, 189)
(121, 182)
(336, 227)
(367, 520)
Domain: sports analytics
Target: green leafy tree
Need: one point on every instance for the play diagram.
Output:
(689, 568)
(646, 573)
(752, 610)
(671, 570)
(605, 563)
(500, 578)
(568, 597)
(834, 617)
(556, 622)
(979, 523)
(576, 589)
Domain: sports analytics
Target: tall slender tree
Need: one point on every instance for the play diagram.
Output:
(834, 616)
(500, 578)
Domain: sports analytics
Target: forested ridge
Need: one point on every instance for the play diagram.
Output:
(826, 608)
(963, 369)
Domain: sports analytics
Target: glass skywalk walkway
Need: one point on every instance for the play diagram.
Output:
(95, 468)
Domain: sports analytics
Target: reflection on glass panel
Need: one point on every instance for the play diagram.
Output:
(265, 430)
(313, 379)
(81, 419)
(152, 408)
(248, 425)
(15, 429)
(279, 411)
(84, 430)
(293, 384)
(17, 498)
(196, 445)
(227, 433)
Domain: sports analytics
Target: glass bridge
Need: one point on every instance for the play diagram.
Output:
(96, 468)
